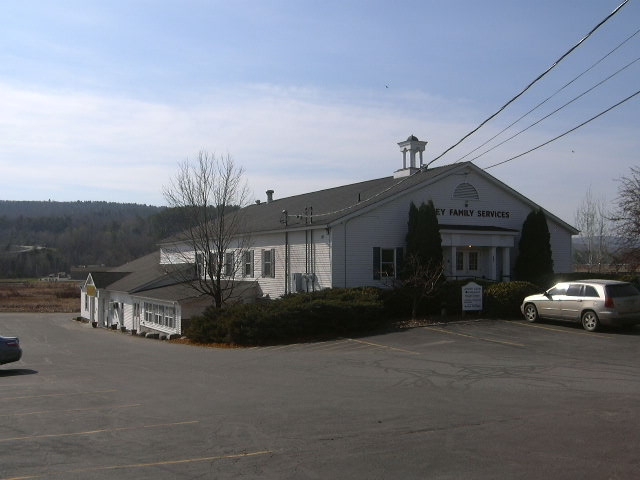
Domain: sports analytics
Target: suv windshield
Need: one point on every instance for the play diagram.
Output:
(622, 290)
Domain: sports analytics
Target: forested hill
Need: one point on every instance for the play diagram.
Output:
(38, 238)
(34, 209)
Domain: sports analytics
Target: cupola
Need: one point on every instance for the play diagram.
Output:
(412, 146)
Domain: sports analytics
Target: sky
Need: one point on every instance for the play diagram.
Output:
(102, 100)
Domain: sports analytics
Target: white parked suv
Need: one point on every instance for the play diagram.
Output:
(592, 302)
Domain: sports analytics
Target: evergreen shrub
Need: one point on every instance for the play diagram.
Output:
(504, 299)
(299, 317)
(499, 299)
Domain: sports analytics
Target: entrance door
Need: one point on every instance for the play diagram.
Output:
(468, 263)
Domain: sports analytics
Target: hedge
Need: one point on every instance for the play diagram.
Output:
(300, 317)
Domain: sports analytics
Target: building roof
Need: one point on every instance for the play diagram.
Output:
(104, 279)
(145, 274)
(147, 277)
(324, 207)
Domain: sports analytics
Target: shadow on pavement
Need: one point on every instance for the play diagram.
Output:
(17, 371)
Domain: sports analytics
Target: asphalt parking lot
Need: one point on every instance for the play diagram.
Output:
(483, 399)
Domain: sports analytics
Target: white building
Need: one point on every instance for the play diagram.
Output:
(351, 236)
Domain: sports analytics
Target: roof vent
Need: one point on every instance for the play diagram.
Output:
(466, 191)
(269, 196)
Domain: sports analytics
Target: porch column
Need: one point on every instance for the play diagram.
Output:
(493, 264)
(506, 264)
(453, 261)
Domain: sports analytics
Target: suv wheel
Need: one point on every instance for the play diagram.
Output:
(531, 312)
(590, 321)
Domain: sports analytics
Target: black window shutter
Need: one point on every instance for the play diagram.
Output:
(376, 263)
(273, 263)
(399, 261)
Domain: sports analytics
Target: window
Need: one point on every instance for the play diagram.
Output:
(148, 312)
(200, 264)
(574, 290)
(158, 310)
(473, 261)
(268, 263)
(247, 264)
(169, 317)
(590, 291)
(558, 290)
(213, 264)
(228, 264)
(467, 261)
(621, 290)
(159, 315)
(387, 262)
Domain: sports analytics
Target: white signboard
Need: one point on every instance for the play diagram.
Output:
(471, 297)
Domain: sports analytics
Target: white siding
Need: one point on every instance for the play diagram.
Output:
(176, 254)
(308, 253)
(561, 248)
(120, 310)
(342, 256)
(386, 227)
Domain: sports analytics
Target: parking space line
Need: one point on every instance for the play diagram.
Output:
(95, 432)
(502, 342)
(562, 330)
(150, 464)
(326, 346)
(71, 410)
(379, 345)
(49, 395)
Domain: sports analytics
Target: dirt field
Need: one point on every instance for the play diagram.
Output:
(36, 296)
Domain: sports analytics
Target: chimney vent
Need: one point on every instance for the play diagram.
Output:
(269, 196)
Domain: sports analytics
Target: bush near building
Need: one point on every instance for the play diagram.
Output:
(503, 300)
(324, 314)
(499, 299)
(334, 313)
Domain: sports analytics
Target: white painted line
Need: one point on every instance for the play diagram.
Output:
(501, 342)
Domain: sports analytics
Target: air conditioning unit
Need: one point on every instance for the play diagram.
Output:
(303, 282)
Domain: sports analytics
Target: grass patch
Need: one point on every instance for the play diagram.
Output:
(39, 297)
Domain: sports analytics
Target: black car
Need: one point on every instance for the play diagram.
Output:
(10, 350)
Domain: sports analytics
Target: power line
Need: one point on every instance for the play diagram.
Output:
(565, 133)
(546, 100)
(567, 53)
(557, 109)
(539, 77)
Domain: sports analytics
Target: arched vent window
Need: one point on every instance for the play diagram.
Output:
(466, 191)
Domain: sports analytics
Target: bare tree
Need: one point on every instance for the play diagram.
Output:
(627, 218)
(592, 221)
(421, 279)
(211, 192)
